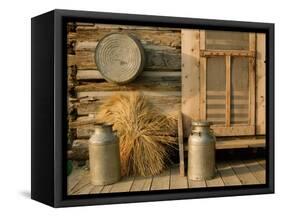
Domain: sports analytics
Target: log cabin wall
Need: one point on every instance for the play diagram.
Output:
(172, 80)
(160, 81)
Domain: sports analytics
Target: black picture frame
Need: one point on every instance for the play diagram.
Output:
(48, 107)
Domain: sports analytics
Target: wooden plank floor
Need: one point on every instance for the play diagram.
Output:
(230, 173)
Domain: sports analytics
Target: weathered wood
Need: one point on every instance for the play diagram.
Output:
(248, 172)
(74, 178)
(238, 130)
(257, 170)
(215, 182)
(79, 150)
(162, 181)
(96, 189)
(177, 180)
(262, 162)
(106, 189)
(84, 190)
(81, 121)
(147, 36)
(240, 143)
(243, 173)
(239, 53)
(227, 90)
(139, 84)
(252, 80)
(84, 182)
(181, 147)
(154, 75)
(165, 104)
(94, 26)
(141, 183)
(260, 84)
(227, 174)
(221, 111)
(157, 58)
(222, 93)
(226, 40)
(196, 183)
(124, 185)
(225, 101)
(203, 83)
(190, 78)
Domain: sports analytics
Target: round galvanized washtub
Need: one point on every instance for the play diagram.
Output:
(104, 156)
(201, 151)
(119, 57)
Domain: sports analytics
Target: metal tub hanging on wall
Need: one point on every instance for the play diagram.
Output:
(119, 58)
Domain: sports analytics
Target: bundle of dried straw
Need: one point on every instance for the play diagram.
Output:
(145, 135)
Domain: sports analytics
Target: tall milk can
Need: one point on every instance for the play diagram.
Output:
(104, 156)
(201, 151)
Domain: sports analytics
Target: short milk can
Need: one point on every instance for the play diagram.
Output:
(104, 155)
(201, 151)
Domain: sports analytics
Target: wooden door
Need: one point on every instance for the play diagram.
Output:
(227, 81)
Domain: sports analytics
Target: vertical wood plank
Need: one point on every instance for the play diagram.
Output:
(181, 147)
(252, 80)
(203, 62)
(190, 54)
(227, 90)
(260, 84)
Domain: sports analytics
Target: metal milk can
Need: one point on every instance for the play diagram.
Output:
(104, 156)
(201, 151)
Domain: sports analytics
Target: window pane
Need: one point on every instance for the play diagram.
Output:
(215, 82)
(239, 90)
(223, 40)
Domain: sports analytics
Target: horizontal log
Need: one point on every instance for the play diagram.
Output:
(153, 75)
(157, 58)
(79, 150)
(138, 85)
(87, 26)
(82, 122)
(165, 105)
(98, 94)
(148, 36)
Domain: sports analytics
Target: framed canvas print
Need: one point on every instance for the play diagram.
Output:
(133, 108)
